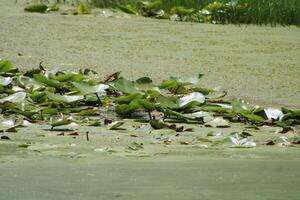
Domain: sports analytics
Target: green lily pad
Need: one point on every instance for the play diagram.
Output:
(86, 88)
(125, 86)
(48, 82)
(5, 65)
(61, 123)
(64, 98)
(115, 125)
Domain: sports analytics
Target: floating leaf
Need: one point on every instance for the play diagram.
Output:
(218, 122)
(190, 98)
(127, 109)
(69, 77)
(48, 82)
(64, 98)
(134, 146)
(25, 145)
(146, 84)
(242, 106)
(125, 86)
(95, 123)
(61, 122)
(296, 140)
(88, 112)
(158, 124)
(17, 98)
(115, 125)
(253, 118)
(128, 98)
(5, 65)
(11, 130)
(4, 81)
(86, 88)
(147, 105)
(213, 108)
(168, 102)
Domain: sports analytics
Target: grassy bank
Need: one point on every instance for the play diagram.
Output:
(284, 12)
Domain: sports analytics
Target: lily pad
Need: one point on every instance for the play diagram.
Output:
(5, 65)
(61, 122)
(218, 122)
(17, 98)
(125, 86)
(115, 125)
(64, 98)
(86, 88)
(4, 81)
(190, 98)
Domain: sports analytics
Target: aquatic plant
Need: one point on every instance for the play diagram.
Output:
(40, 95)
(83, 9)
(38, 7)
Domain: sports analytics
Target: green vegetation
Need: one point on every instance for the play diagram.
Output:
(83, 9)
(39, 7)
(40, 95)
(264, 12)
(284, 12)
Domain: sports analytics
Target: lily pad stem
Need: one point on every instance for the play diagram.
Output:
(99, 100)
(87, 136)
(150, 116)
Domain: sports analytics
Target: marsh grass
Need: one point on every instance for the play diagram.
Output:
(262, 12)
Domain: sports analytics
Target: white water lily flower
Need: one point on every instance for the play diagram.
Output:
(194, 96)
(273, 113)
(245, 142)
(5, 80)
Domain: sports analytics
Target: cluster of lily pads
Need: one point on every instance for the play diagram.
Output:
(61, 97)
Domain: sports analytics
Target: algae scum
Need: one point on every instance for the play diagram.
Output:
(133, 118)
